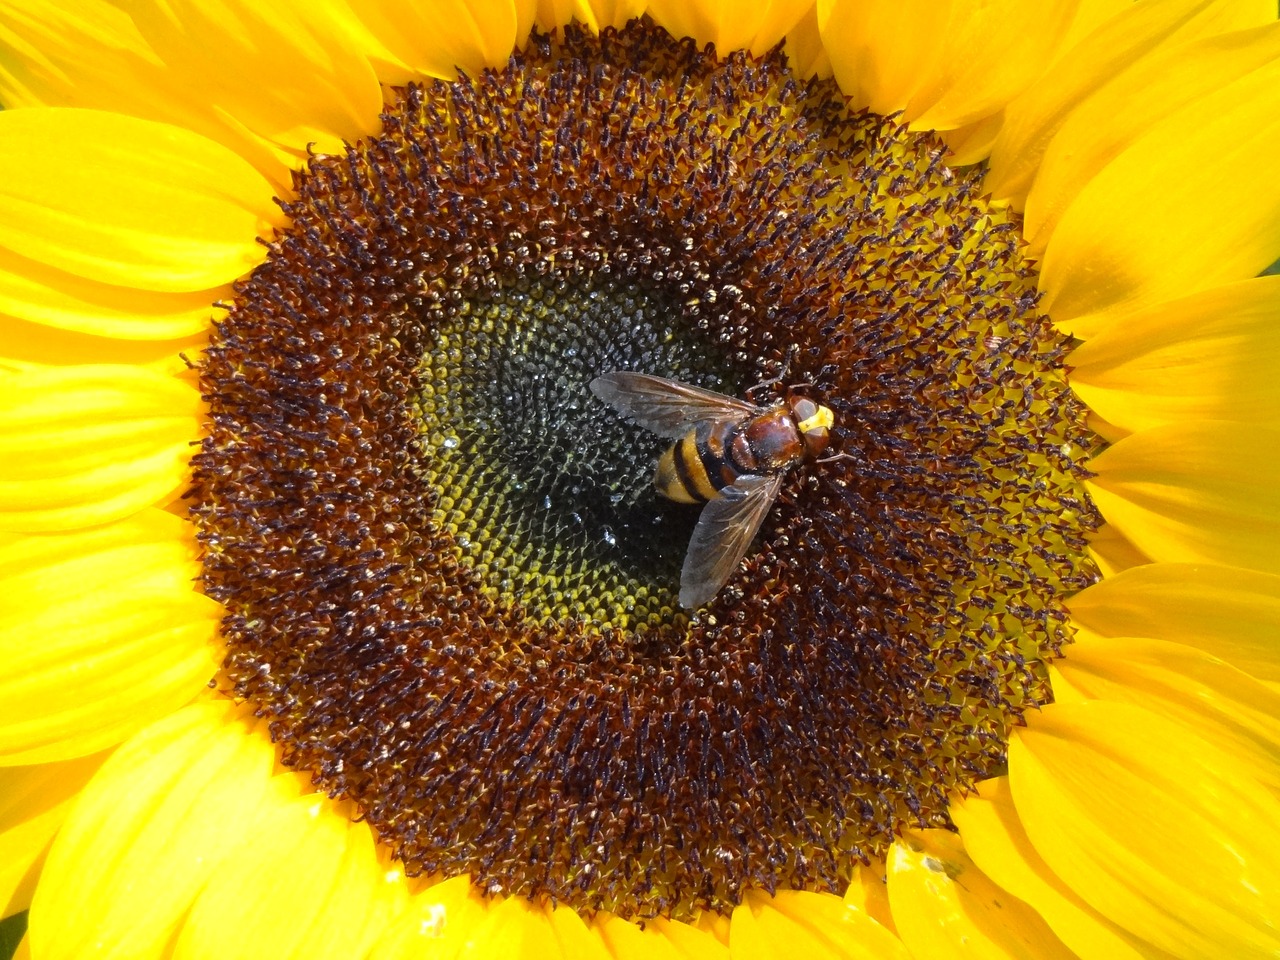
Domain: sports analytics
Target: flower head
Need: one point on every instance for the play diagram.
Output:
(373, 645)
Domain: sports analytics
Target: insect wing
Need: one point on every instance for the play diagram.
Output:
(666, 407)
(723, 534)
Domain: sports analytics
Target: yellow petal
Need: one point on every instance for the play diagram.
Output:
(1212, 356)
(1150, 226)
(971, 143)
(1197, 492)
(519, 929)
(1091, 15)
(303, 882)
(81, 446)
(1153, 89)
(42, 294)
(806, 53)
(1230, 613)
(126, 201)
(624, 940)
(755, 27)
(806, 924)
(436, 923)
(452, 919)
(1226, 706)
(33, 803)
(1112, 552)
(36, 65)
(990, 53)
(439, 37)
(595, 15)
(994, 838)
(571, 933)
(285, 70)
(1157, 830)
(1063, 691)
(1033, 118)
(715, 924)
(148, 831)
(946, 65)
(868, 892)
(26, 345)
(103, 634)
(88, 53)
(944, 906)
(705, 941)
(882, 49)
(1107, 431)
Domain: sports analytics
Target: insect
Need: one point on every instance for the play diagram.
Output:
(728, 453)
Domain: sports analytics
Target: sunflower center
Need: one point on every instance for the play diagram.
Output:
(548, 497)
(450, 581)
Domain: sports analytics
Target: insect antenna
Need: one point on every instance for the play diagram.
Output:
(774, 381)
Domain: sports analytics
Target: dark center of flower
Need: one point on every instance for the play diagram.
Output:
(545, 492)
(450, 582)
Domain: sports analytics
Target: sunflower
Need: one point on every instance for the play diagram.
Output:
(340, 617)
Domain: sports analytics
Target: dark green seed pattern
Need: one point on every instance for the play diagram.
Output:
(547, 512)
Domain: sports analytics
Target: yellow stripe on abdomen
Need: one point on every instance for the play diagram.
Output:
(667, 480)
(692, 473)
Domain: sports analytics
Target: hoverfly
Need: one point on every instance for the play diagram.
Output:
(728, 453)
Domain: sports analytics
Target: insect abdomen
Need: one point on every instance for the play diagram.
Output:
(695, 468)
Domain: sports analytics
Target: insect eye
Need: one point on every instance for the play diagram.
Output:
(803, 409)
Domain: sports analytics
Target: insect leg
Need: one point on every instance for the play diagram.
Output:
(836, 456)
